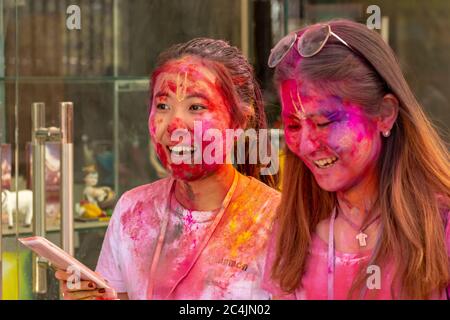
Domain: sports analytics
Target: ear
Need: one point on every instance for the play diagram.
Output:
(388, 113)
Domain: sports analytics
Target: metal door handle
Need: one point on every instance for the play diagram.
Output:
(40, 135)
(67, 177)
(38, 182)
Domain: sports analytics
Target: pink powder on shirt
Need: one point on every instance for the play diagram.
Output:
(230, 267)
(314, 284)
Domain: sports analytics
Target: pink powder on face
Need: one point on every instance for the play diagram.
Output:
(328, 127)
(199, 80)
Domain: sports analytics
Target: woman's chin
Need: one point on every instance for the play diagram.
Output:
(330, 185)
(191, 173)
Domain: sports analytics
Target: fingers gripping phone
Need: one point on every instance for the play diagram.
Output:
(62, 260)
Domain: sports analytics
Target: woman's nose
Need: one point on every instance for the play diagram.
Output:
(177, 129)
(176, 123)
(309, 140)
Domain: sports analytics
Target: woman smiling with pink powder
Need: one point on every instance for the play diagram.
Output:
(202, 232)
(365, 204)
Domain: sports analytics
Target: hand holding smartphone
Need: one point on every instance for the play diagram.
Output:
(62, 260)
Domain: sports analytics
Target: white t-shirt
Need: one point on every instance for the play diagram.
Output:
(230, 266)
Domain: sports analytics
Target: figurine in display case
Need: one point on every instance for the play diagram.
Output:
(97, 201)
(9, 200)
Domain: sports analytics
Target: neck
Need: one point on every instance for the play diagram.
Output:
(357, 202)
(205, 194)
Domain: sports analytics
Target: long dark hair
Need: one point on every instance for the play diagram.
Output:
(238, 85)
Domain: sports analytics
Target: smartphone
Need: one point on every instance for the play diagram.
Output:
(62, 260)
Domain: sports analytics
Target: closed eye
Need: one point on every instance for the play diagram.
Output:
(293, 126)
(324, 124)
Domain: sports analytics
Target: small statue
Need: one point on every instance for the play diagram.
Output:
(25, 205)
(6, 174)
(88, 153)
(96, 199)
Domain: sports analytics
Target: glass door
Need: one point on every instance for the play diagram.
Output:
(74, 77)
(61, 99)
(11, 259)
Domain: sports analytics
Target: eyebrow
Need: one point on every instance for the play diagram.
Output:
(325, 113)
(161, 94)
(331, 114)
(197, 95)
(192, 95)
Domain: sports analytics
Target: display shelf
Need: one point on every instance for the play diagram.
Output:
(78, 226)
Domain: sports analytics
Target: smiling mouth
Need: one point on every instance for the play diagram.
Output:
(181, 150)
(325, 163)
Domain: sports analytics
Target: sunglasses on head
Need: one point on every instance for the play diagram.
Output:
(309, 43)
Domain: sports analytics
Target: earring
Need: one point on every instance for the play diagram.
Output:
(387, 133)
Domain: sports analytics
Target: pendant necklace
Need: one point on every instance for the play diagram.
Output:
(361, 236)
(331, 257)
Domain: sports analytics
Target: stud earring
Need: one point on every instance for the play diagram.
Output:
(387, 133)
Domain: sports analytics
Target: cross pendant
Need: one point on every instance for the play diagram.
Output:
(362, 239)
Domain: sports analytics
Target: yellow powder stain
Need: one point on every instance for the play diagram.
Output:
(241, 239)
(233, 224)
(234, 212)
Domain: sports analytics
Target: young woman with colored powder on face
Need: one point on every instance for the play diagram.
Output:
(202, 232)
(365, 201)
